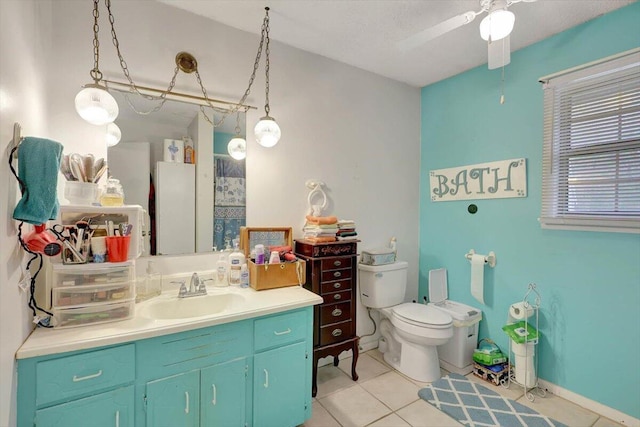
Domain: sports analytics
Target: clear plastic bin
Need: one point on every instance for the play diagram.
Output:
(92, 314)
(70, 296)
(92, 274)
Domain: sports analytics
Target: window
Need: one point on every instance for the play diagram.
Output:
(591, 155)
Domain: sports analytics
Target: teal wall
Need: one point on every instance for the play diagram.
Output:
(220, 141)
(589, 281)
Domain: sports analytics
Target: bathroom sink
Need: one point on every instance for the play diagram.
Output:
(182, 308)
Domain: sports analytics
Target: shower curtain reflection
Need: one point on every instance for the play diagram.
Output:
(230, 200)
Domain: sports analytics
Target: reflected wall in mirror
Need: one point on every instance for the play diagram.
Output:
(190, 207)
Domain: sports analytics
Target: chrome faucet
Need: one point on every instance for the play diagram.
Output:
(196, 287)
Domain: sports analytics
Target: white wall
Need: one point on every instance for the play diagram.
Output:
(26, 34)
(356, 131)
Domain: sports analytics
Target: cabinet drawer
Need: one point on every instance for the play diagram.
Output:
(73, 296)
(67, 377)
(339, 285)
(334, 313)
(280, 330)
(328, 276)
(336, 263)
(337, 297)
(336, 332)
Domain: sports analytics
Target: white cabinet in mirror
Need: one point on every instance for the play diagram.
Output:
(191, 207)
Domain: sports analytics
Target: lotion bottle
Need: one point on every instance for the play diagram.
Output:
(221, 270)
(236, 260)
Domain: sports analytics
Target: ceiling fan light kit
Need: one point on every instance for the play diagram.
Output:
(497, 25)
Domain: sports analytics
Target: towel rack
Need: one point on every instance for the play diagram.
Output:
(17, 138)
(488, 259)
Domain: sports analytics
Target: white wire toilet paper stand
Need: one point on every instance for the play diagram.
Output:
(529, 389)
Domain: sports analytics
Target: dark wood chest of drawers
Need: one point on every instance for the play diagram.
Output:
(331, 273)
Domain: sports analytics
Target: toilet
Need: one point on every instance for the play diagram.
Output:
(410, 332)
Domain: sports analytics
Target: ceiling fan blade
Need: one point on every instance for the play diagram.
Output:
(431, 33)
(499, 53)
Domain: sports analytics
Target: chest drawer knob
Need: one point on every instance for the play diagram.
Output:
(336, 332)
(337, 296)
(337, 263)
(337, 274)
(337, 285)
(88, 377)
(337, 312)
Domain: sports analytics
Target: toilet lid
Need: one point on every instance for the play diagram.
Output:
(422, 314)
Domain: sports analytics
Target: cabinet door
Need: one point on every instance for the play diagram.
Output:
(280, 386)
(224, 393)
(111, 409)
(174, 401)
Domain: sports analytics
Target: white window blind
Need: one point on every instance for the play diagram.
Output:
(591, 154)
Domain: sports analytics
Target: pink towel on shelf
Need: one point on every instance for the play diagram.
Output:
(318, 220)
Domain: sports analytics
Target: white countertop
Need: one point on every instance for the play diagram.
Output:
(43, 341)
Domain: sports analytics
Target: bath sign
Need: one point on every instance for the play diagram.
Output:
(495, 180)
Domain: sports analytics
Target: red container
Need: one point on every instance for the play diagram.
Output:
(118, 248)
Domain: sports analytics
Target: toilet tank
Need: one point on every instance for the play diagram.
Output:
(382, 285)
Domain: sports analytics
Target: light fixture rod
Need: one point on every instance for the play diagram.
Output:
(126, 87)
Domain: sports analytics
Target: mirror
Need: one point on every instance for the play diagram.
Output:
(191, 207)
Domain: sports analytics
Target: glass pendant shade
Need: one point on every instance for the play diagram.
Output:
(95, 105)
(267, 132)
(237, 148)
(497, 25)
(113, 134)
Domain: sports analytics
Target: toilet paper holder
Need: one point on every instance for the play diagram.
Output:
(488, 259)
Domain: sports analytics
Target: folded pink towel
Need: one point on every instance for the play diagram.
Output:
(317, 220)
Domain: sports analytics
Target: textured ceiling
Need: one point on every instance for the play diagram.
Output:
(365, 33)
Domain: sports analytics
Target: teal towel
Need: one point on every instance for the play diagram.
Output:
(38, 165)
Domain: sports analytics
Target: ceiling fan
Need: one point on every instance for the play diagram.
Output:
(494, 28)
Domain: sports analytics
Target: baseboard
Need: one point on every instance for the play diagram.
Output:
(592, 405)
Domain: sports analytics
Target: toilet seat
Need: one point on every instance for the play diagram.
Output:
(422, 316)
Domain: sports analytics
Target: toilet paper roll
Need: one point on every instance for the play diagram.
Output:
(477, 277)
(519, 312)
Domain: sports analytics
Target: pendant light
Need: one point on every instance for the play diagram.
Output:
(267, 131)
(93, 103)
(113, 135)
(237, 147)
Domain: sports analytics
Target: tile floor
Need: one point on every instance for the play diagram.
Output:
(382, 397)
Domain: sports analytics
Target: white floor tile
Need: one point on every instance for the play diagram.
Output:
(392, 389)
(354, 407)
(331, 379)
(423, 414)
(367, 367)
(561, 410)
(391, 420)
(320, 417)
(606, 422)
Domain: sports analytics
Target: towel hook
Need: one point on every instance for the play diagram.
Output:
(316, 190)
(17, 138)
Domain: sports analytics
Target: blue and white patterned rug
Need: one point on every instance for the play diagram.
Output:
(473, 404)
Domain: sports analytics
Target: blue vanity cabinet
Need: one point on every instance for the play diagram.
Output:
(253, 372)
(282, 369)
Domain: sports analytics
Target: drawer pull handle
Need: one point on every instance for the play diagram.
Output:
(337, 274)
(213, 388)
(186, 398)
(88, 377)
(266, 379)
(336, 332)
(117, 418)
(337, 285)
(337, 263)
(288, 331)
(337, 312)
(337, 296)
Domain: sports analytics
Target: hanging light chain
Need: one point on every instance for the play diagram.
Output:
(95, 74)
(125, 69)
(265, 35)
